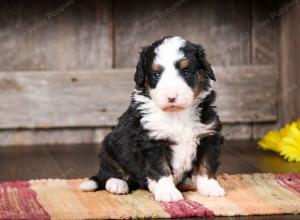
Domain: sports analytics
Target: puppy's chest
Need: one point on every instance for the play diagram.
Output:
(182, 130)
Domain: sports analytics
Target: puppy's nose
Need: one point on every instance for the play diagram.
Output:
(171, 99)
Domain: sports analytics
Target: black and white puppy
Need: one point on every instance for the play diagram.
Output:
(170, 133)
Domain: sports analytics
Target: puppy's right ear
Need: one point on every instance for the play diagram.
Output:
(139, 76)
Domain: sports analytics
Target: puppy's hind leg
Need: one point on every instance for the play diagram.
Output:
(90, 185)
(108, 181)
(113, 185)
(96, 182)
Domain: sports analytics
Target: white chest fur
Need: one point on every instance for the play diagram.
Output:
(184, 128)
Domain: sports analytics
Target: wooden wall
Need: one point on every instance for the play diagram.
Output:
(289, 54)
(66, 67)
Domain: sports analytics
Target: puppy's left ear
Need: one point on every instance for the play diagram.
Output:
(204, 65)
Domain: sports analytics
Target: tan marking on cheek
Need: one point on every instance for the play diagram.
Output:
(156, 67)
(184, 64)
(198, 88)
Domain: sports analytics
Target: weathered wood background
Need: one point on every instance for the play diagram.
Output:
(66, 67)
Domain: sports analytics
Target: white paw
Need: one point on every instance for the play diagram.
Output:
(116, 186)
(87, 186)
(165, 190)
(168, 195)
(209, 187)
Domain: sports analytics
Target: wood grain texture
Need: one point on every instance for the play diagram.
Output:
(97, 98)
(64, 99)
(220, 26)
(21, 137)
(237, 131)
(264, 32)
(261, 129)
(54, 136)
(55, 35)
(264, 47)
(244, 97)
(289, 53)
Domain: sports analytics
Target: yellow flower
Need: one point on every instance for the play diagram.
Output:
(290, 145)
(286, 141)
(271, 141)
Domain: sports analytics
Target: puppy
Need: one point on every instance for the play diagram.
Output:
(170, 132)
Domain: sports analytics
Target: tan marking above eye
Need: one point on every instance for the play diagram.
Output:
(156, 67)
(184, 63)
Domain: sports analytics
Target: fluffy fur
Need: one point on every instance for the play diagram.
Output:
(170, 131)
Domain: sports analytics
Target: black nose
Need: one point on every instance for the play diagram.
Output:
(171, 99)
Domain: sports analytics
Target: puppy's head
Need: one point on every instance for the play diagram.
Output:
(174, 72)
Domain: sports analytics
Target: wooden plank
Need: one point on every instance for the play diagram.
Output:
(264, 32)
(64, 99)
(28, 163)
(244, 97)
(21, 137)
(289, 51)
(50, 99)
(53, 136)
(261, 129)
(264, 50)
(55, 35)
(237, 131)
(222, 27)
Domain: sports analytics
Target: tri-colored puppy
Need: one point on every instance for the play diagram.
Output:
(170, 132)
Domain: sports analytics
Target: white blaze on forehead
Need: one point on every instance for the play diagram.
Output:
(169, 51)
(170, 83)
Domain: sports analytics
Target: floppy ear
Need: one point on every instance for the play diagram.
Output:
(204, 65)
(139, 76)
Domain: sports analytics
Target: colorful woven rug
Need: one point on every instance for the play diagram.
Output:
(257, 194)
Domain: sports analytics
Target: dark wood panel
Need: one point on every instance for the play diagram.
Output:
(289, 51)
(18, 163)
(264, 32)
(264, 161)
(97, 98)
(78, 161)
(220, 26)
(264, 49)
(55, 35)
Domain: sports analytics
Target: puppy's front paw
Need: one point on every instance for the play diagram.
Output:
(165, 190)
(168, 195)
(116, 186)
(209, 187)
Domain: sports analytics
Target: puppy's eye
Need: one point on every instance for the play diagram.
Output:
(156, 75)
(186, 73)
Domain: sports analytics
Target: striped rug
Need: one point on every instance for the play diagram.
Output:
(256, 194)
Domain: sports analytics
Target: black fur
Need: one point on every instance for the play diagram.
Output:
(129, 154)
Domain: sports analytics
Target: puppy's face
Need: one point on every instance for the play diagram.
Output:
(174, 72)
